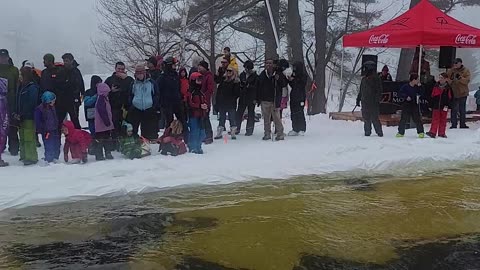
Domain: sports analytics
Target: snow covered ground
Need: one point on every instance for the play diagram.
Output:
(328, 146)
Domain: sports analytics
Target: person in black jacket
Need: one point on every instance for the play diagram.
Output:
(247, 99)
(227, 95)
(153, 70)
(370, 94)
(298, 83)
(442, 101)
(75, 88)
(269, 92)
(170, 94)
(120, 84)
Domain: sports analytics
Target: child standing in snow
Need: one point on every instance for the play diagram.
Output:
(27, 101)
(46, 123)
(130, 143)
(409, 93)
(171, 142)
(103, 123)
(3, 119)
(198, 111)
(76, 142)
(442, 98)
(89, 103)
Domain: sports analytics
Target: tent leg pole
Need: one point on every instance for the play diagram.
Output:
(341, 72)
(420, 60)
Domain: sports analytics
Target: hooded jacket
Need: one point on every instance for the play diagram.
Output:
(248, 90)
(54, 79)
(442, 96)
(103, 110)
(4, 115)
(74, 81)
(46, 120)
(76, 137)
(144, 95)
(90, 98)
(195, 100)
(208, 87)
(371, 89)
(227, 94)
(27, 101)
(184, 85)
(11, 74)
(459, 78)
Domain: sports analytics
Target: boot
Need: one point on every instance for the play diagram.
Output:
(219, 133)
(108, 155)
(267, 137)
(3, 163)
(234, 133)
(280, 137)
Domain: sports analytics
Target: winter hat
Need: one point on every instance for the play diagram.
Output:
(3, 87)
(48, 97)
(28, 64)
(204, 64)
(140, 69)
(195, 76)
(248, 64)
(152, 60)
(4, 52)
(169, 61)
(49, 57)
(128, 126)
(458, 60)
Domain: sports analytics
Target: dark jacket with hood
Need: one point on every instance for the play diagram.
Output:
(74, 82)
(298, 84)
(119, 97)
(371, 89)
(270, 89)
(195, 99)
(90, 98)
(27, 101)
(169, 89)
(248, 89)
(54, 79)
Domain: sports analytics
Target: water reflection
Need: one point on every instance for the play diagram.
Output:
(330, 222)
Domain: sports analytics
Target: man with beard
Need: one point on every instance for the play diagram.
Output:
(120, 84)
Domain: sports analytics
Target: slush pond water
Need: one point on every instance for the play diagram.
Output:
(340, 221)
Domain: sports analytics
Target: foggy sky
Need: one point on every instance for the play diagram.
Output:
(31, 28)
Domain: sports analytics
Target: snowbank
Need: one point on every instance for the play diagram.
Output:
(329, 146)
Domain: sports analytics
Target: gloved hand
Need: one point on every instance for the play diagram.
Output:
(284, 103)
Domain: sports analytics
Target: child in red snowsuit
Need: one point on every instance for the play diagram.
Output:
(442, 97)
(171, 142)
(77, 142)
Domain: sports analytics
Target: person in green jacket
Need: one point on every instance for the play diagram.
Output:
(130, 144)
(27, 102)
(11, 74)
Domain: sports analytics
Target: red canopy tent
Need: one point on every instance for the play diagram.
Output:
(422, 25)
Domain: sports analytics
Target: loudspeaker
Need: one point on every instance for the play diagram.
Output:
(369, 57)
(446, 57)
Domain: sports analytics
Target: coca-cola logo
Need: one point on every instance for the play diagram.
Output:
(380, 39)
(466, 39)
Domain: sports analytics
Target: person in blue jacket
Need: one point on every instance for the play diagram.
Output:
(27, 101)
(409, 93)
(89, 102)
(144, 104)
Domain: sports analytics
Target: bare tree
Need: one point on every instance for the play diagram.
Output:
(294, 31)
(133, 29)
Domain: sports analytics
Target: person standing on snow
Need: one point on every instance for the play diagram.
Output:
(442, 98)
(11, 75)
(459, 78)
(369, 98)
(4, 119)
(144, 104)
(75, 86)
(103, 124)
(247, 99)
(89, 103)
(298, 83)
(409, 92)
(227, 95)
(120, 85)
(208, 87)
(270, 89)
(27, 101)
(46, 124)
(198, 110)
(170, 94)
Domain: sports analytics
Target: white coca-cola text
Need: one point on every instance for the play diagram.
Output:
(380, 39)
(466, 39)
